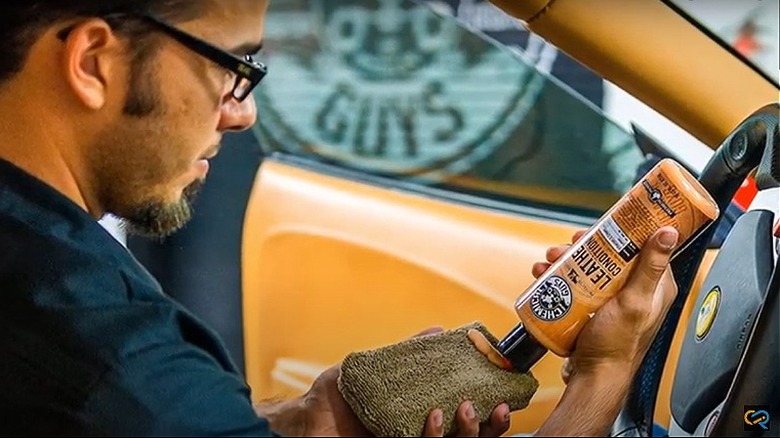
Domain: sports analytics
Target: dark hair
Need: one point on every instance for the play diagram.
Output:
(22, 22)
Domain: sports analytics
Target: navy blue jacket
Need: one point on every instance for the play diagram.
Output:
(89, 344)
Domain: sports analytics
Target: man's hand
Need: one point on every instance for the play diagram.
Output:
(612, 345)
(322, 411)
(621, 331)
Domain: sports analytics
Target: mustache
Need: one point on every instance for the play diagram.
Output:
(191, 191)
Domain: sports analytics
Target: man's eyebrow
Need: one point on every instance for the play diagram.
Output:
(247, 49)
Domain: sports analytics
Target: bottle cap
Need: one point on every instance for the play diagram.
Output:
(521, 348)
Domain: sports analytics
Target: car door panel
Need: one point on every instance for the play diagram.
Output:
(333, 265)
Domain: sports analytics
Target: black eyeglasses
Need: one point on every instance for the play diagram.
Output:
(248, 72)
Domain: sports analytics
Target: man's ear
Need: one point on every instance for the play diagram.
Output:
(91, 59)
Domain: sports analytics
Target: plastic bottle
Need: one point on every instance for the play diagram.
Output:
(555, 308)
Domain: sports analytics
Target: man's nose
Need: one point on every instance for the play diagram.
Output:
(238, 116)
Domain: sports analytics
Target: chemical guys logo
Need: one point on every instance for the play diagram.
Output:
(390, 86)
(552, 299)
(657, 198)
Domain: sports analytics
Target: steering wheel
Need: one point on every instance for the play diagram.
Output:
(728, 363)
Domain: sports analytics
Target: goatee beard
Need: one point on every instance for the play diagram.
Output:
(158, 220)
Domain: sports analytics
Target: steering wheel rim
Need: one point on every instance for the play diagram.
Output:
(749, 146)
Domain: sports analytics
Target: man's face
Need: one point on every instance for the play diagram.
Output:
(150, 160)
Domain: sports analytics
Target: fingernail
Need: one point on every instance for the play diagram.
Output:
(668, 238)
(470, 411)
(438, 420)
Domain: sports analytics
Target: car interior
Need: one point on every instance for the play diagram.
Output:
(258, 264)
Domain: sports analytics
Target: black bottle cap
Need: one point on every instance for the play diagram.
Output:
(521, 349)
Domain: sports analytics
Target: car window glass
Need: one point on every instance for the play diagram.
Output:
(404, 90)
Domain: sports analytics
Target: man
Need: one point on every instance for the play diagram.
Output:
(116, 107)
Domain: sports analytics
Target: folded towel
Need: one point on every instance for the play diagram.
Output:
(393, 389)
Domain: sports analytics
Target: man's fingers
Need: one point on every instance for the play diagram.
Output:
(466, 420)
(538, 269)
(578, 235)
(467, 423)
(555, 252)
(652, 263)
(498, 423)
(434, 426)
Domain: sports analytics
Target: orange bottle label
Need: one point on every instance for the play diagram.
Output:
(556, 307)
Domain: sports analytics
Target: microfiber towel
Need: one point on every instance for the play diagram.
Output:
(393, 389)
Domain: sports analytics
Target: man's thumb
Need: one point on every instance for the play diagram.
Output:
(653, 260)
